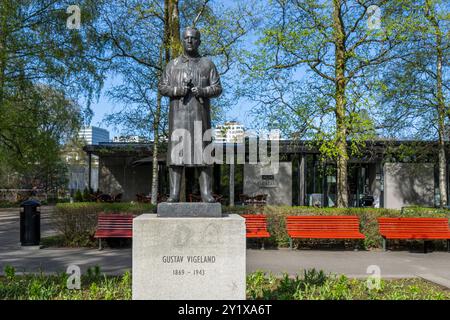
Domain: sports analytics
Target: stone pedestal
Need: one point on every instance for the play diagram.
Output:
(189, 209)
(189, 258)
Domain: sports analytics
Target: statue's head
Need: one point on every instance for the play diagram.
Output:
(191, 41)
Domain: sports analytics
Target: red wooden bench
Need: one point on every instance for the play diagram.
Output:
(414, 229)
(256, 226)
(323, 227)
(114, 226)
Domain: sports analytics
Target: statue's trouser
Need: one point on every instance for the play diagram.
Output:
(205, 180)
(175, 182)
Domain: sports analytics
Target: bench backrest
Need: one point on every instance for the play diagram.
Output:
(406, 225)
(107, 221)
(322, 223)
(255, 222)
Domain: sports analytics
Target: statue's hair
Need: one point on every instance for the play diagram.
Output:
(193, 29)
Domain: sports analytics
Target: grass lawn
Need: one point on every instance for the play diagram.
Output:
(312, 285)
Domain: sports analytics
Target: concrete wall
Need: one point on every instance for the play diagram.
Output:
(408, 184)
(79, 177)
(78, 174)
(375, 174)
(118, 175)
(279, 190)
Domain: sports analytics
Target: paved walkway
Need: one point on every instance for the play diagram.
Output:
(434, 266)
(10, 226)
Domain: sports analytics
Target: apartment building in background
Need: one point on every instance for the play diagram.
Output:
(80, 173)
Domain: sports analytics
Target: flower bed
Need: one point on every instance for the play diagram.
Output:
(312, 285)
(316, 285)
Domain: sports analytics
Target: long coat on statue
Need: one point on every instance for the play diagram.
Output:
(189, 116)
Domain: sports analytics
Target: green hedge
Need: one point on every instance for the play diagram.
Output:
(76, 222)
(7, 204)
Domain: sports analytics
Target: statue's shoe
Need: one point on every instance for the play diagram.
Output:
(209, 199)
(170, 199)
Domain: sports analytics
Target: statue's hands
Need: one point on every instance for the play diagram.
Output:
(181, 91)
(197, 91)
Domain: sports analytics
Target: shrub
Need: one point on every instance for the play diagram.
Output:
(86, 195)
(10, 272)
(76, 222)
(242, 209)
(8, 204)
(78, 196)
(259, 286)
(314, 277)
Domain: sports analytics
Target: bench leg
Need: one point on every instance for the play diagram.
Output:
(448, 245)
(262, 244)
(99, 243)
(384, 244)
(425, 246)
(290, 243)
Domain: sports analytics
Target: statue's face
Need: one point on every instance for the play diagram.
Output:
(191, 41)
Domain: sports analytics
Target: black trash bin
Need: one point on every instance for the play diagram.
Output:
(30, 223)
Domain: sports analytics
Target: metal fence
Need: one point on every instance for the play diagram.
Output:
(17, 195)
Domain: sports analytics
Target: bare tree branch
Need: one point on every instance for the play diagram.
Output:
(205, 2)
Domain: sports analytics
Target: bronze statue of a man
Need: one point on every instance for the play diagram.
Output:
(189, 81)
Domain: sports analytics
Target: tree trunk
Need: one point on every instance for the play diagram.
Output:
(183, 186)
(442, 163)
(156, 120)
(175, 42)
(232, 167)
(341, 126)
(3, 32)
(167, 30)
(430, 14)
(441, 119)
(155, 166)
